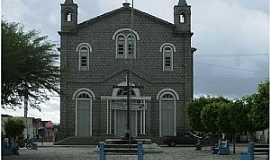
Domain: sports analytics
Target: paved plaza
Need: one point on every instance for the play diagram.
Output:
(89, 153)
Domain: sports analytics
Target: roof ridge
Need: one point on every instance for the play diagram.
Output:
(94, 19)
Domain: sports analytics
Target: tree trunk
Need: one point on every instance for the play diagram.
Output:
(234, 140)
(26, 98)
(267, 136)
(251, 136)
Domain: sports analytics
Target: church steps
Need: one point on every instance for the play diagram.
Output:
(94, 140)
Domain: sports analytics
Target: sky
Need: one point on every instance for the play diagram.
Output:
(232, 38)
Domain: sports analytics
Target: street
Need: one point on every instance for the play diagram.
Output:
(89, 153)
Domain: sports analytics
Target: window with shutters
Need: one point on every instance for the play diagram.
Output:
(131, 46)
(83, 50)
(167, 58)
(121, 46)
(126, 43)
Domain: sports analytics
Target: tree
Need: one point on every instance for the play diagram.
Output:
(238, 116)
(28, 67)
(209, 115)
(194, 112)
(195, 108)
(258, 109)
(223, 121)
(14, 127)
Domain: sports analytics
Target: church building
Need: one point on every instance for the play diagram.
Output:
(125, 47)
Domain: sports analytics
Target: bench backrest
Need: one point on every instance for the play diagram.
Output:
(258, 148)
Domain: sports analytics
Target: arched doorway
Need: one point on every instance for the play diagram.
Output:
(83, 116)
(119, 107)
(167, 112)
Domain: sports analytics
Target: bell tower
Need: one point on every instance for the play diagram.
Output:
(69, 16)
(182, 16)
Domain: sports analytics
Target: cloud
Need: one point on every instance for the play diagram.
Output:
(236, 40)
(50, 110)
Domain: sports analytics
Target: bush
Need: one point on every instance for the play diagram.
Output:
(14, 127)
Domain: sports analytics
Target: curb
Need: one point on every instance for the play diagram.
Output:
(64, 146)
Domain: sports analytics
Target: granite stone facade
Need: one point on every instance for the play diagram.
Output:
(105, 70)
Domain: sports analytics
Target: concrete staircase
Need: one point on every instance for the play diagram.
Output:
(93, 140)
(117, 146)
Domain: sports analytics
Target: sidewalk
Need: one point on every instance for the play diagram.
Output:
(51, 144)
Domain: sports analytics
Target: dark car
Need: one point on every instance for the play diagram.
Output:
(184, 139)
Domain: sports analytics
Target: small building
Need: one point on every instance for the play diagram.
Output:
(29, 123)
(4, 119)
(47, 131)
(33, 126)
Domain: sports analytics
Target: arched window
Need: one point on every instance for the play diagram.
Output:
(84, 50)
(84, 58)
(120, 46)
(182, 18)
(167, 58)
(126, 40)
(131, 42)
(83, 95)
(68, 15)
(167, 97)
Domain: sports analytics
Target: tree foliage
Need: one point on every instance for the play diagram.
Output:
(219, 115)
(238, 116)
(14, 127)
(224, 123)
(258, 106)
(194, 112)
(209, 117)
(195, 109)
(28, 66)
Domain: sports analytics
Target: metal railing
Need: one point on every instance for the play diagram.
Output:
(102, 151)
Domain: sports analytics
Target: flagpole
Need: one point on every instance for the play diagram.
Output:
(132, 14)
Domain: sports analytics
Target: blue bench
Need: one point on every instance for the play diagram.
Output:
(222, 149)
(255, 149)
(102, 151)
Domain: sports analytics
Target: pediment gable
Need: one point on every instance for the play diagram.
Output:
(132, 72)
(122, 9)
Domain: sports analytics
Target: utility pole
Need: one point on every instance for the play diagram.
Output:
(126, 90)
(128, 107)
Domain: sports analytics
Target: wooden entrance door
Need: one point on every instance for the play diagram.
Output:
(121, 122)
(83, 117)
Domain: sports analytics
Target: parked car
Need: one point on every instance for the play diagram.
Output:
(185, 139)
(190, 138)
